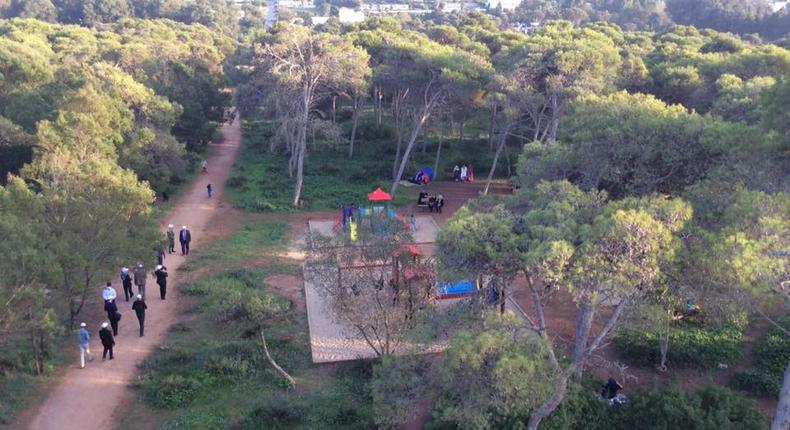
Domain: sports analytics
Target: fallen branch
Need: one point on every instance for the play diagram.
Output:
(274, 363)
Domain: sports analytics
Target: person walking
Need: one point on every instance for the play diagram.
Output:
(208, 187)
(107, 341)
(112, 315)
(126, 280)
(108, 293)
(204, 166)
(171, 239)
(160, 252)
(184, 236)
(139, 308)
(161, 279)
(139, 278)
(85, 344)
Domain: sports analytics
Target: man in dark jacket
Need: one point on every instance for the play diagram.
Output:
(107, 340)
(126, 280)
(184, 236)
(112, 315)
(139, 278)
(139, 308)
(161, 279)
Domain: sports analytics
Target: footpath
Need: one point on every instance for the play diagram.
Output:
(87, 398)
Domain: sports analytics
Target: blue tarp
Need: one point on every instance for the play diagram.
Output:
(460, 288)
(419, 177)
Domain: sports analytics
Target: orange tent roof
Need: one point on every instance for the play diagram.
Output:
(379, 196)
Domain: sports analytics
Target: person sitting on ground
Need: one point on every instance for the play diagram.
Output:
(610, 389)
(421, 200)
(691, 308)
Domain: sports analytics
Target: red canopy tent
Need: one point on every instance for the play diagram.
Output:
(379, 196)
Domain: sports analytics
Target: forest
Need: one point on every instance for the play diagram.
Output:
(646, 143)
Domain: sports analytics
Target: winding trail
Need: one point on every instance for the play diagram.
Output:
(87, 398)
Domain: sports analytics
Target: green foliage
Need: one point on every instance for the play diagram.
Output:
(769, 361)
(702, 348)
(243, 244)
(172, 391)
(260, 181)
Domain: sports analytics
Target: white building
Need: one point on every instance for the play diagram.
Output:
(347, 15)
(319, 20)
(506, 4)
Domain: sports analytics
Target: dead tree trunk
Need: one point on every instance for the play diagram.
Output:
(781, 419)
(500, 146)
(274, 364)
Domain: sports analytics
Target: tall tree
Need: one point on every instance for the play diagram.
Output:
(305, 67)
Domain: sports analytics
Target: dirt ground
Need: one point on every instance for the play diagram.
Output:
(87, 398)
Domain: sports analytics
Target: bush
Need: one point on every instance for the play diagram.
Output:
(172, 391)
(771, 356)
(274, 416)
(196, 420)
(711, 408)
(229, 367)
(702, 348)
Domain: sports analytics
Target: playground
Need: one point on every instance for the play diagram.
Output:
(333, 339)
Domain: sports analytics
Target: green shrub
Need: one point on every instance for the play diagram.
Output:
(196, 420)
(770, 358)
(702, 348)
(172, 391)
(229, 367)
(275, 415)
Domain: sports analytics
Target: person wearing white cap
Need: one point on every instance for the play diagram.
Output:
(139, 278)
(171, 239)
(161, 279)
(85, 345)
(109, 293)
(107, 340)
(184, 236)
(139, 308)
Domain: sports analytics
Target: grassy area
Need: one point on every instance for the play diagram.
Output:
(260, 181)
(770, 355)
(213, 376)
(242, 245)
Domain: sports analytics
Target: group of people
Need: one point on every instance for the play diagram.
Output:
(433, 203)
(137, 277)
(464, 173)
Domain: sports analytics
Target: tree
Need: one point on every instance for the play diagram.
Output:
(558, 64)
(304, 68)
(375, 285)
(501, 371)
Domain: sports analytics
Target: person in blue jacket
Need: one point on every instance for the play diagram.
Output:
(85, 345)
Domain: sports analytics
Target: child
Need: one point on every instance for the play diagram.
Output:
(413, 222)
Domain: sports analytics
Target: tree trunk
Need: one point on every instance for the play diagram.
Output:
(555, 119)
(419, 122)
(500, 146)
(560, 389)
(301, 147)
(663, 346)
(424, 139)
(502, 291)
(491, 126)
(379, 96)
(334, 109)
(781, 419)
(358, 105)
(461, 130)
(274, 363)
(438, 154)
(583, 327)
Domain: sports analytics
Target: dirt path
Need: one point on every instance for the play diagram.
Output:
(87, 398)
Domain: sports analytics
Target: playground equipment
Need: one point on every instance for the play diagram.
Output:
(380, 215)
